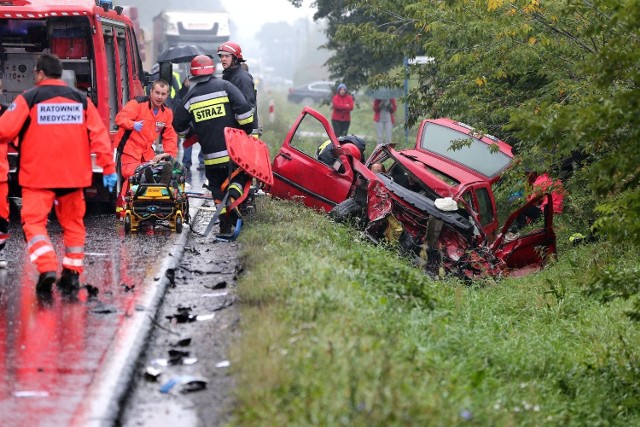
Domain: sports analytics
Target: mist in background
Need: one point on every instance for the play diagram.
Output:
(280, 42)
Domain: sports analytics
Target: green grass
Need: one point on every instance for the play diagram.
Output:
(337, 331)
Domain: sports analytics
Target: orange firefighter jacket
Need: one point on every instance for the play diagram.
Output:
(139, 144)
(58, 129)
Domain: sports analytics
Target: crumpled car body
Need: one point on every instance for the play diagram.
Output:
(397, 202)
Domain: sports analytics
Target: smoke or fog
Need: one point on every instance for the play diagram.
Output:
(279, 41)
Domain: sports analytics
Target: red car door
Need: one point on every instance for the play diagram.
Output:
(529, 247)
(298, 174)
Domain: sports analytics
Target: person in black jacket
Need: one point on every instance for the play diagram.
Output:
(209, 106)
(231, 58)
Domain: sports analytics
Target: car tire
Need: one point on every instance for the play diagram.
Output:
(308, 100)
(179, 224)
(127, 223)
(347, 211)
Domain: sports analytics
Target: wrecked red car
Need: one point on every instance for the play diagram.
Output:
(436, 203)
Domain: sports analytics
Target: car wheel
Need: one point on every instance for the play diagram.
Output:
(347, 210)
(308, 100)
(127, 223)
(179, 224)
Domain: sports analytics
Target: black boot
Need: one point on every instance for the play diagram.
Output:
(45, 281)
(69, 281)
(226, 227)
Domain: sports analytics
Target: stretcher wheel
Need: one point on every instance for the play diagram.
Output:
(179, 224)
(127, 223)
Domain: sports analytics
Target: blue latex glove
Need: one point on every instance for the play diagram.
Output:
(138, 125)
(110, 181)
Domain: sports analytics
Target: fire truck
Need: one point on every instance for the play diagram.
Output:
(97, 45)
(203, 28)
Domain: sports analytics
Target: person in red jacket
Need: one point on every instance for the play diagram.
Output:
(383, 115)
(59, 128)
(342, 105)
(4, 193)
(141, 122)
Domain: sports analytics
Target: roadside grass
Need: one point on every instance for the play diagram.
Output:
(338, 331)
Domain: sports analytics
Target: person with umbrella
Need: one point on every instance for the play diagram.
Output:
(384, 118)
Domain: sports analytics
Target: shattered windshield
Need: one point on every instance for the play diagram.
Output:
(475, 155)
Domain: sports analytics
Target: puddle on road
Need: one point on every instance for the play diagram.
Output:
(51, 347)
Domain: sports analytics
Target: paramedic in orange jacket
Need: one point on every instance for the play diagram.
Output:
(59, 128)
(141, 122)
(4, 193)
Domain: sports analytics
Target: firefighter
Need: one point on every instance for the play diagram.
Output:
(231, 58)
(4, 193)
(325, 151)
(141, 121)
(59, 128)
(210, 106)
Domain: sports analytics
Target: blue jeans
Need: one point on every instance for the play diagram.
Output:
(186, 158)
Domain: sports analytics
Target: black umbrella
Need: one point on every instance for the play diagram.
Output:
(180, 54)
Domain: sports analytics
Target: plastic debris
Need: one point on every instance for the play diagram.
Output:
(151, 373)
(215, 294)
(182, 343)
(219, 285)
(175, 362)
(202, 317)
(223, 364)
(185, 384)
(183, 316)
(178, 353)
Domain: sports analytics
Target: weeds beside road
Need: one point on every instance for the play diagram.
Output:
(337, 331)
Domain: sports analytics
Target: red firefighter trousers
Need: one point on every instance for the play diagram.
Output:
(70, 209)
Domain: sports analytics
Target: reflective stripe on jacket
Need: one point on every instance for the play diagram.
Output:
(211, 105)
(59, 128)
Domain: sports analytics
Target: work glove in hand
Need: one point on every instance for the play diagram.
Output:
(138, 125)
(110, 181)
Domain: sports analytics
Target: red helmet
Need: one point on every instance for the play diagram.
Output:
(202, 65)
(232, 48)
(349, 149)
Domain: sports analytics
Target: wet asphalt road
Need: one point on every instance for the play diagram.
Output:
(50, 349)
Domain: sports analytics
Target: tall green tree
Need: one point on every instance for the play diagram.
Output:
(557, 79)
